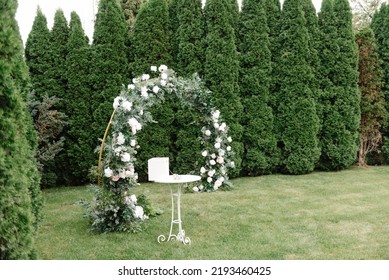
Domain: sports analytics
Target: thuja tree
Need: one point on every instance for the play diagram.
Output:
(173, 11)
(20, 199)
(109, 60)
(37, 53)
(339, 134)
(373, 112)
(260, 153)
(297, 120)
(380, 26)
(150, 42)
(189, 60)
(221, 70)
(79, 143)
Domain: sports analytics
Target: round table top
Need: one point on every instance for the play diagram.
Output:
(171, 179)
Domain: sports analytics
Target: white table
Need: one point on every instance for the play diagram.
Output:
(180, 180)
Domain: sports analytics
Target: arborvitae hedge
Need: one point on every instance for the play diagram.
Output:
(380, 26)
(109, 64)
(297, 120)
(37, 53)
(341, 114)
(261, 154)
(151, 46)
(20, 199)
(79, 143)
(221, 70)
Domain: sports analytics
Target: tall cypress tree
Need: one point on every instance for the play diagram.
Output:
(20, 200)
(297, 120)
(151, 46)
(380, 26)
(221, 71)
(341, 117)
(38, 54)
(79, 145)
(110, 64)
(261, 154)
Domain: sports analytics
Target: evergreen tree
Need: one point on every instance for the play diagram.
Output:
(109, 62)
(341, 114)
(261, 154)
(297, 120)
(373, 111)
(380, 26)
(130, 10)
(221, 71)
(79, 143)
(174, 24)
(37, 53)
(151, 46)
(20, 199)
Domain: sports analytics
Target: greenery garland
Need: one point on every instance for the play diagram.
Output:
(115, 209)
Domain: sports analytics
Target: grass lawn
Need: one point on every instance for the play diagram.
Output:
(323, 215)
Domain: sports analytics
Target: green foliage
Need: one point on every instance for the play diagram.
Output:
(340, 96)
(37, 54)
(108, 64)
(373, 113)
(20, 198)
(261, 154)
(221, 71)
(130, 10)
(297, 120)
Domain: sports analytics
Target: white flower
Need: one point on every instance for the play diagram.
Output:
(218, 183)
(213, 156)
(122, 174)
(108, 172)
(201, 187)
(129, 173)
(163, 83)
(153, 68)
(126, 157)
(216, 125)
(155, 89)
(115, 178)
(232, 164)
(220, 160)
(222, 127)
(204, 153)
(133, 198)
(221, 179)
(131, 86)
(202, 170)
(209, 180)
(229, 139)
(135, 125)
(120, 139)
(215, 187)
(229, 148)
(141, 112)
(135, 80)
(212, 162)
(133, 142)
(218, 139)
(143, 91)
(118, 150)
(207, 132)
(195, 189)
(163, 76)
(217, 145)
(116, 102)
(138, 212)
(162, 68)
(211, 173)
(145, 77)
(221, 152)
(127, 105)
(216, 114)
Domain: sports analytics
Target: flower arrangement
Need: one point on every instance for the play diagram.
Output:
(113, 205)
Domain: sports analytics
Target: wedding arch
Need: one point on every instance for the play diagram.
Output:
(115, 208)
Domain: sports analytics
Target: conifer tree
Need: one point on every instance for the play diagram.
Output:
(174, 24)
(109, 63)
(79, 143)
(130, 10)
(373, 113)
(37, 53)
(221, 70)
(151, 46)
(20, 199)
(341, 114)
(297, 120)
(380, 26)
(261, 154)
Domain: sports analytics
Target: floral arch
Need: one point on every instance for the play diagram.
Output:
(115, 209)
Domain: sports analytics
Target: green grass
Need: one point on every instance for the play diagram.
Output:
(324, 215)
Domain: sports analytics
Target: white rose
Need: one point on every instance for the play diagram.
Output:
(216, 125)
(162, 68)
(207, 132)
(213, 156)
(221, 179)
(145, 77)
(204, 153)
(229, 148)
(218, 139)
(216, 114)
(126, 157)
(120, 139)
(229, 139)
(127, 105)
(209, 180)
(143, 91)
(163, 76)
(135, 80)
(202, 170)
(163, 83)
(218, 183)
(155, 89)
(118, 150)
(195, 189)
(153, 68)
(108, 172)
(131, 86)
(116, 102)
(201, 187)
(217, 145)
(141, 112)
(211, 173)
(133, 198)
(133, 143)
(220, 160)
(138, 212)
(128, 173)
(232, 164)
(212, 162)
(221, 152)
(122, 174)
